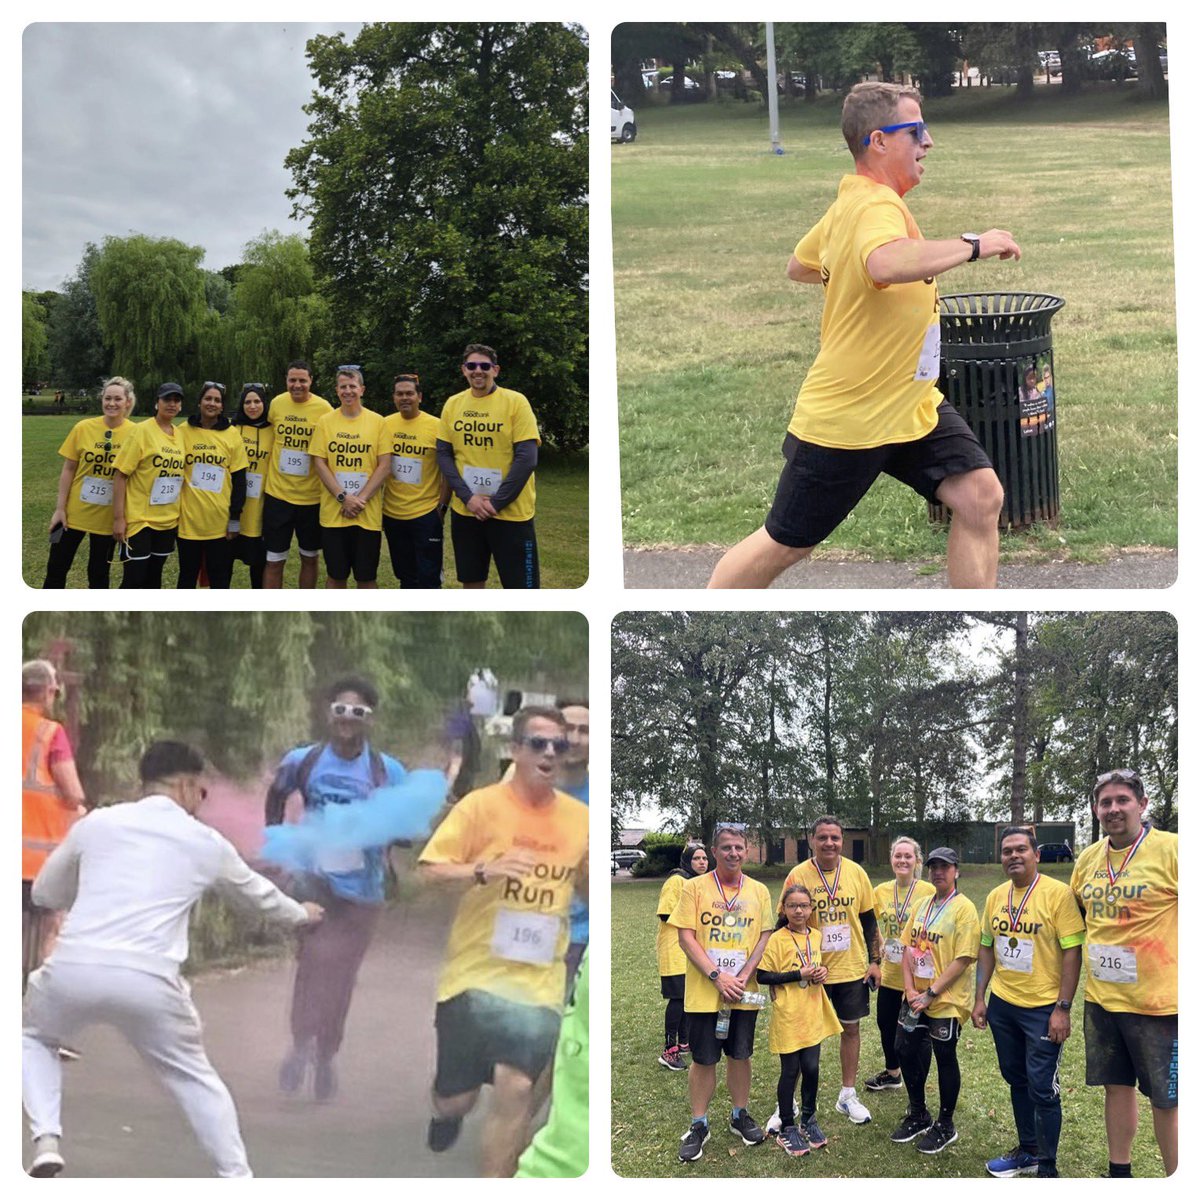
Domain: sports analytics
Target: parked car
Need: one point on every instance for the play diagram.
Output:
(1113, 64)
(689, 84)
(1056, 852)
(623, 127)
(627, 857)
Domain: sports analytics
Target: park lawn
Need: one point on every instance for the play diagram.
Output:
(711, 335)
(562, 516)
(650, 1104)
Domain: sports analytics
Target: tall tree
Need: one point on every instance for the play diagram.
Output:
(76, 343)
(445, 175)
(34, 362)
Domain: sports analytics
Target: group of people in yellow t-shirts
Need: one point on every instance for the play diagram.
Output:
(725, 950)
(222, 489)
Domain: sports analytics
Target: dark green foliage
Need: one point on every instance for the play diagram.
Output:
(76, 345)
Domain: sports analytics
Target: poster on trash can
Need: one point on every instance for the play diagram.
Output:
(1037, 397)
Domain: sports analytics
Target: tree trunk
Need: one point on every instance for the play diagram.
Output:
(728, 37)
(1151, 83)
(827, 721)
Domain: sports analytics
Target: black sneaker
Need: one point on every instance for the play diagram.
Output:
(812, 1131)
(939, 1135)
(443, 1133)
(883, 1082)
(792, 1141)
(911, 1127)
(746, 1128)
(691, 1145)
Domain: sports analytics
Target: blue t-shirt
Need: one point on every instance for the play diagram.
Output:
(354, 875)
(579, 908)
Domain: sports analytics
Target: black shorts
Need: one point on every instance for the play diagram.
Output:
(671, 986)
(280, 519)
(351, 548)
(851, 1000)
(512, 544)
(476, 1031)
(707, 1048)
(147, 543)
(1133, 1049)
(820, 486)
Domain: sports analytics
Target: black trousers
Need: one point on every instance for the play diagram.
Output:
(915, 1051)
(101, 551)
(216, 555)
(804, 1065)
(887, 1013)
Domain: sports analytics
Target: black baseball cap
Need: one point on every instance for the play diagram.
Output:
(945, 854)
(168, 389)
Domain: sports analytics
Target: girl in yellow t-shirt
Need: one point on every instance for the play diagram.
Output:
(672, 963)
(258, 437)
(85, 488)
(802, 1017)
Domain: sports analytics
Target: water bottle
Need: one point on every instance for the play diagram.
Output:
(908, 1019)
(723, 1022)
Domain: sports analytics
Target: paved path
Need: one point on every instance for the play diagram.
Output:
(690, 568)
(118, 1121)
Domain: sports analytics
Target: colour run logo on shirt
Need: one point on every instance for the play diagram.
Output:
(1109, 900)
(350, 451)
(724, 926)
(406, 443)
(931, 936)
(101, 459)
(477, 432)
(172, 462)
(295, 430)
(209, 457)
(1004, 925)
(535, 889)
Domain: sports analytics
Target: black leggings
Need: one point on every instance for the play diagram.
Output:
(253, 552)
(914, 1051)
(215, 553)
(101, 551)
(887, 1013)
(805, 1066)
(676, 1024)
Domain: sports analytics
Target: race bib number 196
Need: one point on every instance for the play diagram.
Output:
(729, 961)
(525, 937)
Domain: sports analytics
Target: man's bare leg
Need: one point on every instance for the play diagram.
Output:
(737, 1080)
(1166, 1130)
(848, 1052)
(308, 570)
(506, 1128)
(702, 1083)
(1120, 1121)
(756, 562)
(272, 574)
(973, 550)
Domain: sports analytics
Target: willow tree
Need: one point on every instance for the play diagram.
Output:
(150, 299)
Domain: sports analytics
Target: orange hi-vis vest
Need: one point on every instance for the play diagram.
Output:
(44, 819)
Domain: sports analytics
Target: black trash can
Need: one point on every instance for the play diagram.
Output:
(998, 372)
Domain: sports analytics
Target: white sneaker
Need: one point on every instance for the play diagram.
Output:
(849, 1104)
(774, 1125)
(48, 1161)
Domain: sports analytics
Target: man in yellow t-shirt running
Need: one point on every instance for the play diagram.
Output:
(870, 403)
(1127, 886)
(517, 852)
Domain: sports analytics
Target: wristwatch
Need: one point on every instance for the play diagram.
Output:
(930, 992)
(1065, 1005)
(713, 974)
(341, 496)
(481, 873)
(972, 240)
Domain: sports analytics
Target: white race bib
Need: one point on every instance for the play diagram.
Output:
(332, 861)
(930, 361)
(525, 937)
(207, 477)
(1113, 964)
(96, 491)
(253, 485)
(729, 961)
(835, 938)
(352, 482)
(166, 489)
(483, 481)
(893, 951)
(1014, 953)
(405, 469)
(922, 964)
(293, 462)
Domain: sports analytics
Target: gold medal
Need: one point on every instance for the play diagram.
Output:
(1013, 943)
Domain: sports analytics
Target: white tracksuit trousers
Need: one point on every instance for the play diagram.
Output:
(158, 1018)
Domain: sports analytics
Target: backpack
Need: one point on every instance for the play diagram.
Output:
(379, 773)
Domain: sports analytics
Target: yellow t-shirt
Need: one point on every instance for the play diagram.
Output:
(1029, 958)
(874, 380)
(415, 483)
(93, 447)
(671, 959)
(256, 442)
(291, 475)
(728, 933)
(1132, 952)
(843, 947)
(153, 462)
(483, 430)
(351, 448)
(509, 938)
(892, 913)
(801, 1016)
(211, 457)
(941, 935)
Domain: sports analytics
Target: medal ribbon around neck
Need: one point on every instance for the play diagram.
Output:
(805, 958)
(1112, 879)
(831, 892)
(729, 903)
(928, 924)
(1015, 915)
(898, 908)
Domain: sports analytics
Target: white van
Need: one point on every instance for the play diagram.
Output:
(623, 128)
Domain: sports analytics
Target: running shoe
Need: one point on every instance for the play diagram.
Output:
(746, 1128)
(912, 1126)
(774, 1124)
(792, 1141)
(812, 1131)
(48, 1160)
(325, 1081)
(852, 1107)
(1015, 1162)
(939, 1135)
(684, 1048)
(293, 1070)
(691, 1145)
(443, 1133)
(883, 1082)
(672, 1059)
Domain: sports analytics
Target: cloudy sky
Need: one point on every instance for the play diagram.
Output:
(170, 130)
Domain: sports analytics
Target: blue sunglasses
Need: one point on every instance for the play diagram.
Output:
(919, 128)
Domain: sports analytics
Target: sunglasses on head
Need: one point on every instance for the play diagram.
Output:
(479, 366)
(350, 367)
(729, 827)
(1120, 775)
(359, 712)
(539, 744)
(212, 383)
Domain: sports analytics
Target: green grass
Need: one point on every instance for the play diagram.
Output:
(710, 334)
(562, 517)
(650, 1105)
